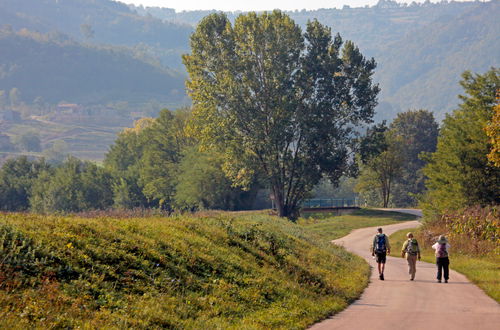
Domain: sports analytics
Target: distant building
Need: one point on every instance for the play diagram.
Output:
(69, 108)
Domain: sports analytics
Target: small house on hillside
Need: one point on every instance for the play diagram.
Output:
(69, 108)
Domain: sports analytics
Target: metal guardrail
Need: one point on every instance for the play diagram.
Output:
(330, 202)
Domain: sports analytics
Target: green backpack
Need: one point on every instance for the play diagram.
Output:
(412, 247)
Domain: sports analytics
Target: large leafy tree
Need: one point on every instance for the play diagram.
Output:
(165, 140)
(278, 101)
(380, 172)
(124, 161)
(16, 179)
(459, 172)
(418, 131)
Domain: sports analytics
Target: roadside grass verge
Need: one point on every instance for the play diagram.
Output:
(482, 270)
(221, 270)
(331, 227)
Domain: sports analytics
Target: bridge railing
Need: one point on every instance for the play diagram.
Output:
(330, 202)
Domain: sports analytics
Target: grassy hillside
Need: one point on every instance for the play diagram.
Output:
(215, 270)
(248, 271)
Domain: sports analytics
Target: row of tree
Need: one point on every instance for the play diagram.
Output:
(154, 164)
(160, 163)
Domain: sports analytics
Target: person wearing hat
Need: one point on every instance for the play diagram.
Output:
(381, 248)
(412, 252)
(442, 261)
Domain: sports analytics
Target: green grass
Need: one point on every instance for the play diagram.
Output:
(219, 271)
(483, 270)
(329, 227)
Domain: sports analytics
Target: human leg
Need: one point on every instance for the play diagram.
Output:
(412, 265)
(446, 268)
(439, 265)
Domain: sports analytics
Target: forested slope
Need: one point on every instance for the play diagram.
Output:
(55, 68)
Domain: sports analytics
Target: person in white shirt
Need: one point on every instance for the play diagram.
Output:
(442, 259)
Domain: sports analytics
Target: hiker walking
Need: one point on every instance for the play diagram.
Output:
(442, 261)
(412, 252)
(380, 249)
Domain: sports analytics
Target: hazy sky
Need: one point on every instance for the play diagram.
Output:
(247, 5)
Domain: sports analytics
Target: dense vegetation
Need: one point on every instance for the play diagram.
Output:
(391, 164)
(217, 271)
(460, 174)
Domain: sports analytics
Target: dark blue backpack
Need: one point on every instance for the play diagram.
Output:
(381, 248)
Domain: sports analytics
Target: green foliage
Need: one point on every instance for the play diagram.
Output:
(218, 272)
(391, 170)
(418, 131)
(380, 173)
(202, 184)
(459, 172)
(16, 179)
(74, 186)
(374, 142)
(163, 144)
(276, 101)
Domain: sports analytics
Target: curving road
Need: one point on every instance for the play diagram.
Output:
(398, 303)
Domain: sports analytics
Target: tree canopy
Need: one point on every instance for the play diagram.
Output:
(459, 172)
(279, 102)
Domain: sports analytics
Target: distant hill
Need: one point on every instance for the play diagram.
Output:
(100, 22)
(422, 70)
(56, 68)
(121, 62)
(421, 49)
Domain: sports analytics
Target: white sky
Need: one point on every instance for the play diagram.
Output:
(257, 5)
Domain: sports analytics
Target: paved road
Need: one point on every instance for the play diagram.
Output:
(398, 303)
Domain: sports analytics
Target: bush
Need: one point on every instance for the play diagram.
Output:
(475, 230)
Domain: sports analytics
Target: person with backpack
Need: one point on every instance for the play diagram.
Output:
(442, 261)
(380, 249)
(412, 252)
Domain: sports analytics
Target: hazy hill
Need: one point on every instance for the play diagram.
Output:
(99, 21)
(422, 69)
(421, 49)
(56, 69)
